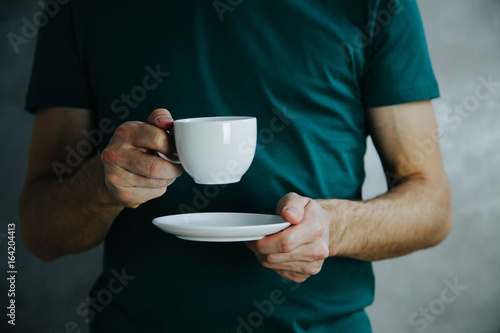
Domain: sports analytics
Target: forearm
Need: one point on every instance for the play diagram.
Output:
(412, 216)
(74, 215)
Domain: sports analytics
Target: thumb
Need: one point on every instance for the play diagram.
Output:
(291, 207)
(161, 118)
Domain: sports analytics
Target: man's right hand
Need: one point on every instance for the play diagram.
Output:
(132, 174)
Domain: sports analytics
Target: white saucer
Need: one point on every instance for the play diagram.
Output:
(221, 227)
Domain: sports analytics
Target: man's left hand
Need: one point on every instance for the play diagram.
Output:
(299, 251)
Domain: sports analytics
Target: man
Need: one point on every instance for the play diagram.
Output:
(318, 75)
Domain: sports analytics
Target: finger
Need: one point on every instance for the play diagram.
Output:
(292, 276)
(161, 118)
(307, 253)
(143, 136)
(291, 207)
(153, 138)
(143, 164)
(155, 167)
(122, 177)
(135, 196)
(291, 238)
(170, 148)
(285, 241)
(299, 267)
(302, 263)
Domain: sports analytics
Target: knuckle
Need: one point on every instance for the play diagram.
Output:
(296, 277)
(123, 130)
(125, 196)
(297, 198)
(285, 245)
(170, 181)
(319, 229)
(158, 139)
(259, 247)
(265, 263)
(109, 156)
(112, 188)
(113, 177)
(320, 251)
(311, 270)
(161, 183)
(160, 111)
(314, 203)
(160, 191)
(129, 197)
(287, 275)
(270, 258)
(289, 197)
(132, 205)
(292, 201)
(155, 169)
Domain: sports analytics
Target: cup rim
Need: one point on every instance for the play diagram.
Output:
(215, 119)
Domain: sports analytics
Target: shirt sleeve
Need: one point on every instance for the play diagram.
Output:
(58, 77)
(399, 69)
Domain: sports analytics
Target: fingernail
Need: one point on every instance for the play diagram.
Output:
(291, 211)
(164, 119)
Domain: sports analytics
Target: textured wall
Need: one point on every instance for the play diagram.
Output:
(47, 294)
(413, 293)
(464, 41)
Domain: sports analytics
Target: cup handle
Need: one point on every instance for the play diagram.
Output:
(171, 159)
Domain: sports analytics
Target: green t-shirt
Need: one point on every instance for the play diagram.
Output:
(308, 70)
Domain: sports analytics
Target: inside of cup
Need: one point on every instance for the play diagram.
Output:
(212, 119)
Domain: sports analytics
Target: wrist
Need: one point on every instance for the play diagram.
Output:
(341, 214)
(91, 179)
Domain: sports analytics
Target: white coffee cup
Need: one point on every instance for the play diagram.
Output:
(215, 150)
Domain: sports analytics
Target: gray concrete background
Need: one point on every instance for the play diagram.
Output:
(464, 41)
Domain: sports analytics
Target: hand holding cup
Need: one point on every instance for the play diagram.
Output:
(214, 150)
